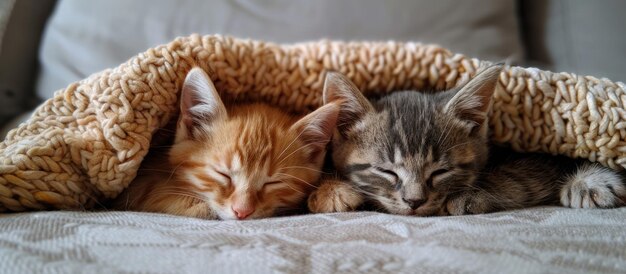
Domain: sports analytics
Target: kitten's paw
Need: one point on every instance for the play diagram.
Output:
(468, 203)
(334, 196)
(594, 186)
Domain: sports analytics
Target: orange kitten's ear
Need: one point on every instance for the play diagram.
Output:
(200, 104)
(472, 102)
(353, 105)
(316, 129)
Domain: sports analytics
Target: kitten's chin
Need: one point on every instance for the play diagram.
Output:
(423, 211)
(427, 211)
(405, 212)
(225, 216)
(420, 212)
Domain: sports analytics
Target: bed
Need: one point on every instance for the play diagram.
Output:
(538, 240)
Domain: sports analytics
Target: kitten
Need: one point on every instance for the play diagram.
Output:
(426, 154)
(245, 162)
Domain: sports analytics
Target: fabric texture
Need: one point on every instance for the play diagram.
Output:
(540, 240)
(87, 142)
(578, 36)
(90, 32)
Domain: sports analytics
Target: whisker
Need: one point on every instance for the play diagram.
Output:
(179, 193)
(457, 145)
(288, 146)
(373, 195)
(445, 130)
(292, 188)
(174, 171)
(304, 146)
(297, 178)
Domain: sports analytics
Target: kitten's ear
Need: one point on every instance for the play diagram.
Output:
(200, 104)
(472, 102)
(352, 104)
(316, 129)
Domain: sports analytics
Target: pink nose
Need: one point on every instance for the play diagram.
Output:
(242, 212)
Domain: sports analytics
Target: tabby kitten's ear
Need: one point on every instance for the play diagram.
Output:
(200, 104)
(471, 103)
(353, 105)
(316, 129)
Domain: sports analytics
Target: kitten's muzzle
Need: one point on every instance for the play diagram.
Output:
(414, 203)
(242, 212)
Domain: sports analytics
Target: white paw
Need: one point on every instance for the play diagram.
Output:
(594, 186)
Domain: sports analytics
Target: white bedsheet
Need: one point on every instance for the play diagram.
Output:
(554, 240)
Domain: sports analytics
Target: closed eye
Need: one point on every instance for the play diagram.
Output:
(439, 172)
(388, 172)
(228, 179)
(271, 184)
(434, 174)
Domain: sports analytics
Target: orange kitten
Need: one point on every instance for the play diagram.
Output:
(250, 161)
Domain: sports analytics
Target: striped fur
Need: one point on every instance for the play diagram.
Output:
(247, 161)
(417, 153)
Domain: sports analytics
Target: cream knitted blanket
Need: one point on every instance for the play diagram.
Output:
(87, 142)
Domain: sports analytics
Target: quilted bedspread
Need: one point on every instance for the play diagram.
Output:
(539, 240)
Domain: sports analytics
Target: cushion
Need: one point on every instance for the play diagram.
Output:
(87, 142)
(90, 32)
(578, 36)
(539, 240)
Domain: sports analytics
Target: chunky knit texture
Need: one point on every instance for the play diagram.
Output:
(86, 143)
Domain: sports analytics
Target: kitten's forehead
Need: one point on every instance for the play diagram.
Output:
(408, 126)
(258, 146)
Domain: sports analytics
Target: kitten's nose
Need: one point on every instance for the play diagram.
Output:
(242, 212)
(414, 203)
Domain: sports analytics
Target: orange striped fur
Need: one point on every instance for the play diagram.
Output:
(247, 161)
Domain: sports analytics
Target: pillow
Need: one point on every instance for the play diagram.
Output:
(578, 36)
(87, 142)
(103, 34)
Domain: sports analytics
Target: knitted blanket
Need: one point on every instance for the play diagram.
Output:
(87, 142)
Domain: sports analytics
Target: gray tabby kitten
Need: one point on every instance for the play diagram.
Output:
(425, 154)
